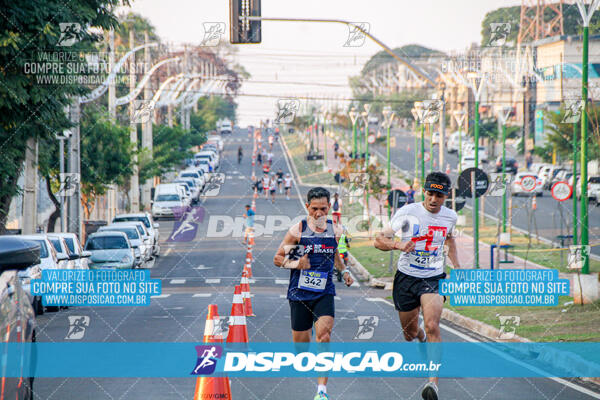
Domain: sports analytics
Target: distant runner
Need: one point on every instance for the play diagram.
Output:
(311, 298)
(423, 229)
(273, 187)
(280, 180)
(265, 185)
(287, 183)
(336, 209)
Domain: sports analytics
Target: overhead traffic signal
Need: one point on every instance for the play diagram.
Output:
(242, 30)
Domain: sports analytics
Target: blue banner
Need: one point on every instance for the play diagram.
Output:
(505, 287)
(351, 359)
(103, 287)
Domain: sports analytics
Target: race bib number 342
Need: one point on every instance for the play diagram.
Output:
(314, 281)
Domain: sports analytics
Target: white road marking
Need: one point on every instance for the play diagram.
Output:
(250, 280)
(202, 295)
(213, 280)
(283, 296)
(202, 267)
(177, 281)
(282, 281)
(160, 296)
(169, 250)
(338, 298)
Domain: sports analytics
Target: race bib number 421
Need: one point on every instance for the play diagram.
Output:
(314, 281)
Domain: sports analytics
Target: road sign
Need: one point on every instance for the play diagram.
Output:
(482, 183)
(528, 183)
(561, 191)
(371, 139)
(399, 196)
(459, 203)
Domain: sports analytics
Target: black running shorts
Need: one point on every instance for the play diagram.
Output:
(408, 289)
(305, 313)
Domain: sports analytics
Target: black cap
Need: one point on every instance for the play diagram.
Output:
(437, 182)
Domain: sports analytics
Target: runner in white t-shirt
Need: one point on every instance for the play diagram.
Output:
(420, 231)
(287, 183)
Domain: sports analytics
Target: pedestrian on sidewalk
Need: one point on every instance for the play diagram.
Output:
(423, 228)
(336, 209)
(529, 160)
(336, 147)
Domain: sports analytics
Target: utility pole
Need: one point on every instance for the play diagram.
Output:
(74, 219)
(442, 143)
(112, 93)
(147, 126)
(30, 187)
(112, 193)
(134, 189)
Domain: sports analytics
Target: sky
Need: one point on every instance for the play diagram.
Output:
(302, 59)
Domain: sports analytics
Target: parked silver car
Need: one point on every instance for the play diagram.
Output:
(110, 250)
(151, 226)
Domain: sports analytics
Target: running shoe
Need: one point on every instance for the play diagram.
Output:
(430, 391)
(324, 396)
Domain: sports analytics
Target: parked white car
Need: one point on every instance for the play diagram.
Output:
(194, 174)
(136, 240)
(75, 247)
(467, 162)
(151, 227)
(49, 259)
(469, 150)
(526, 184)
(454, 141)
(60, 246)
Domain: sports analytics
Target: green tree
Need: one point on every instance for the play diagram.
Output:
(106, 157)
(29, 108)
(170, 147)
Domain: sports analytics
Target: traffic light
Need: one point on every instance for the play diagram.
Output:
(241, 29)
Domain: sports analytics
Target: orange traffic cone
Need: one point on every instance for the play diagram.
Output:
(245, 284)
(534, 202)
(248, 269)
(249, 256)
(251, 241)
(447, 169)
(212, 387)
(238, 332)
(212, 320)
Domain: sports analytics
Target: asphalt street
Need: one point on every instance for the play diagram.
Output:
(204, 271)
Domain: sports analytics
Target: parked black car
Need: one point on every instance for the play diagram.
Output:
(17, 320)
(512, 166)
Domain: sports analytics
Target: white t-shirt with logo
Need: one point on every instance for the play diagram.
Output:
(429, 232)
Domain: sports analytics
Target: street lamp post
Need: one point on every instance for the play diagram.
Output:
(459, 116)
(353, 118)
(503, 117)
(388, 116)
(416, 117)
(365, 115)
(586, 15)
(420, 109)
(477, 89)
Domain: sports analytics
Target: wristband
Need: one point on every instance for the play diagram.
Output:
(344, 271)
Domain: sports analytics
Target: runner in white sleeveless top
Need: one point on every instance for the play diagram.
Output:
(287, 183)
